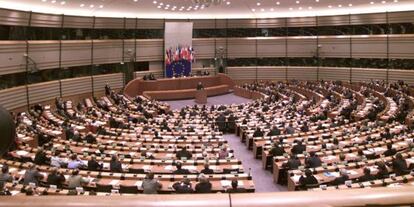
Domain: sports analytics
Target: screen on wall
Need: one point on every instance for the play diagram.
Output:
(179, 53)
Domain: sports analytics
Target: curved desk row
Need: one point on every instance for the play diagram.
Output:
(185, 93)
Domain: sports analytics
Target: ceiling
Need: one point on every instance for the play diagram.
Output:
(186, 9)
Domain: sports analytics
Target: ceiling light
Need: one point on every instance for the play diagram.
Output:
(101, 6)
(258, 3)
(228, 3)
(271, 9)
(53, 1)
(135, 0)
(310, 7)
(290, 8)
(349, 4)
(330, 6)
(82, 5)
(44, 0)
(340, 5)
(300, 8)
(253, 10)
(262, 10)
(297, 2)
(278, 3)
(395, 1)
(91, 5)
(372, 2)
(317, 0)
(383, 2)
(63, 2)
(154, 2)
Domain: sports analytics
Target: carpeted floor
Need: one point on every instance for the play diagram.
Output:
(214, 100)
(263, 179)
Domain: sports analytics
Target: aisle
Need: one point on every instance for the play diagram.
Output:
(263, 179)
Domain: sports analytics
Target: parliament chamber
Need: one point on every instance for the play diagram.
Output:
(206, 103)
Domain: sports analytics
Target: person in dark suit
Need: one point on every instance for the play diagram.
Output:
(32, 175)
(90, 138)
(93, 165)
(305, 127)
(200, 86)
(221, 122)
(40, 157)
(55, 178)
(258, 133)
(180, 170)
(390, 151)
(367, 176)
(308, 179)
(183, 153)
(277, 150)
(400, 165)
(183, 186)
(274, 132)
(207, 170)
(115, 165)
(313, 160)
(382, 171)
(235, 188)
(299, 148)
(293, 163)
(204, 185)
(289, 129)
(343, 176)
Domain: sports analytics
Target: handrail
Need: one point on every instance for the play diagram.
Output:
(354, 197)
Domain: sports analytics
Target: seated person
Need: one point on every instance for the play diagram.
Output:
(289, 129)
(305, 127)
(183, 186)
(180, 170)
(150, 185)
(313, 160)
(400, 165)
(274, 132)
(55, 178)
(258, 133)
(40, 157)
(93, 165)
(223, 153)
(207, 170)
(204, 185)
(390, 151)
(76, 180)
(382, 171)
(277, 150)
(308, 179)
(299, 148)
(183, 153)
(235, 188)
(74, 162)
(367, 176)
(343, 176)
(90, 138)
(293, 163)
(56, 161)
(32, 175)
(115, 165)
(5, 176)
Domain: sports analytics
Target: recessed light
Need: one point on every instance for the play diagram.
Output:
(317, 0)
(290, 8)
(395, 1)
(135, 0)
(228, 3)
(271, 9)
(372, 2)
(330, 6)
(63, 2)
(300, 8)
(310, 7)
(253, 10)
(91, 5)
(258, 3)
(154, 2)
(278, 3)
(340, 5)
(101, 6)
(383, 2)
(82, 5)
(44, 0)
(53, 1)
(298, 2)
(262, 10)
(349, 4)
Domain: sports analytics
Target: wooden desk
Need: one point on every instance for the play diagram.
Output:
(201, 96)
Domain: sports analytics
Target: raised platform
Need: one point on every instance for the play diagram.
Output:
(179, 88)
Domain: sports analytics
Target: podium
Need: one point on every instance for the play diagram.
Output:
(201, 96)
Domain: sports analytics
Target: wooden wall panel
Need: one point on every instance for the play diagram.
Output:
(331, 73)
(43, 91)
(364, 46)
(406, 75)
(204, 48)
(150, 50)
(13, 98)
(11, 57)
(76, 86)
(401, 46)
(44, 53)
(109, 23)
(271, 47)
(241, 73)
(107, 51)
(78, 22)
(115, 81)
(46, 20)
(76, 52)
(301, 73)
(14, 17)
(364, 74)
(302, 47)
(271, 73)
(337, 46)
(241, 48)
